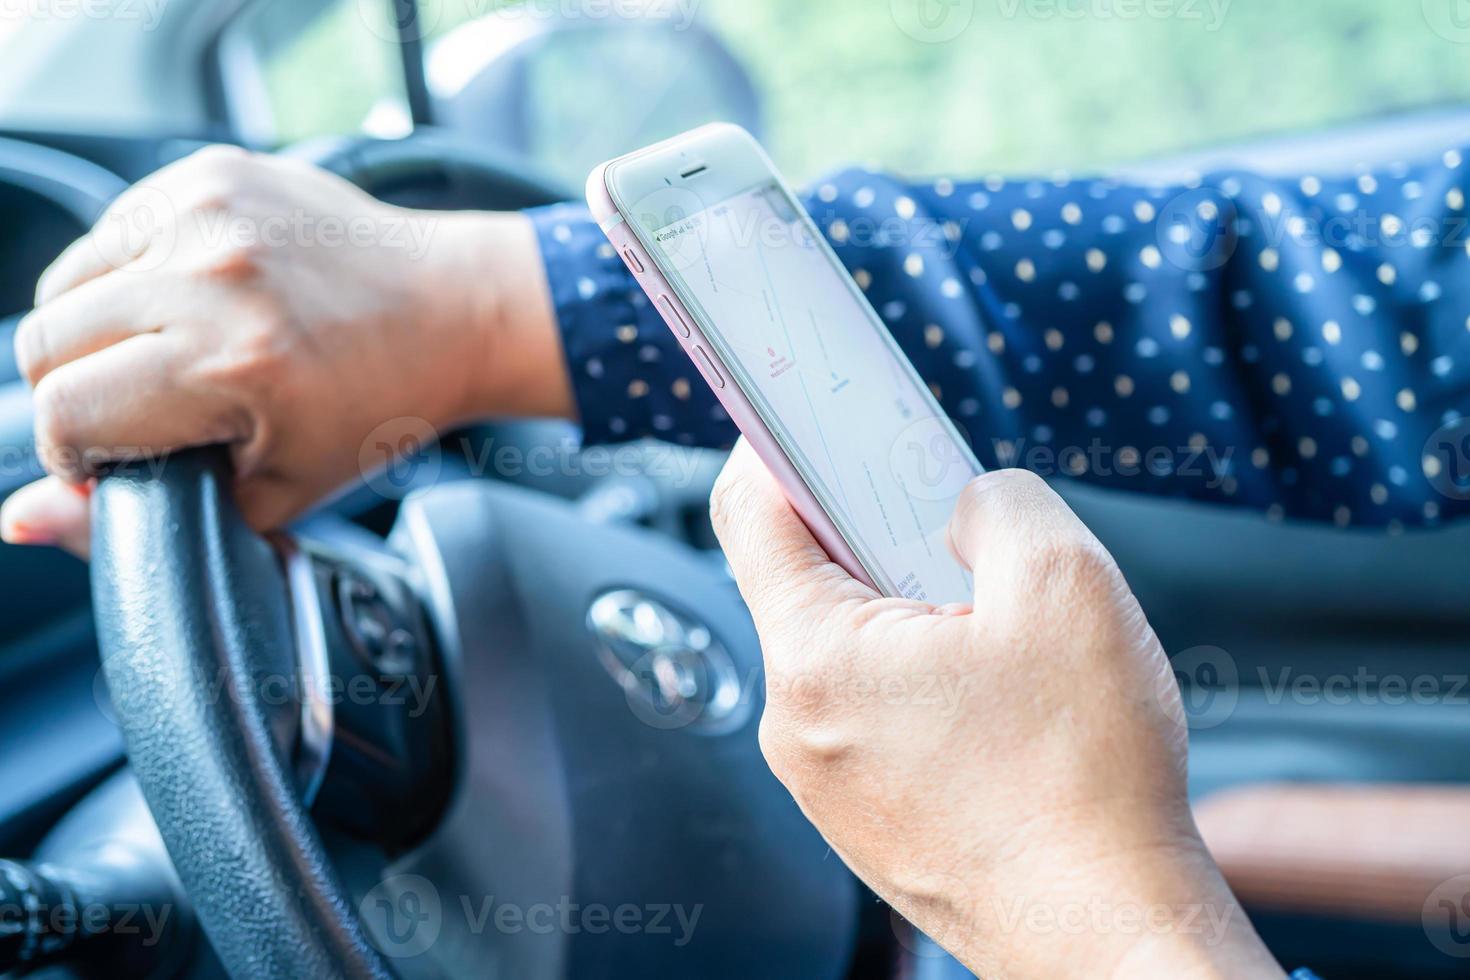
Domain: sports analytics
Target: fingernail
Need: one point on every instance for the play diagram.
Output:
(21, 533)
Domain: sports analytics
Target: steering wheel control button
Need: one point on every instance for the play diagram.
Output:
(672, 315)
(673, 672)
(631, 257)
(707, 366)
(373, 627)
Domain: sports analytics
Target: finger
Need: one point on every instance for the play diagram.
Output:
(92, 316)
(269, 501)
(49, 512)
(142, 218)
(1005, 517)
(143, 222)
(80, 262)
(777, 563)
(131, 400)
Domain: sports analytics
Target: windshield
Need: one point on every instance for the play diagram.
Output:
(918, 85)
(95, 65)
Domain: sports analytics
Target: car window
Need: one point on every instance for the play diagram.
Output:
(1032, 85)
(954, 85)
(295, 69)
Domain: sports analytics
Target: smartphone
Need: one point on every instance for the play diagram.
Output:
(795, 353)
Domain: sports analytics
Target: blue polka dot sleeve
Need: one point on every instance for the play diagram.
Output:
(1300, 346)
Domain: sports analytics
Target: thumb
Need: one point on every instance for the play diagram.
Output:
(779, 566)
(49, 512)
(1004, 518)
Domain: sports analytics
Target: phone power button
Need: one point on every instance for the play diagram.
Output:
(707, 365)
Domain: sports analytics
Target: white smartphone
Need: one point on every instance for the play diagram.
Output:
(795, 352)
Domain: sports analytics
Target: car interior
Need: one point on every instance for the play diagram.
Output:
(547, 604)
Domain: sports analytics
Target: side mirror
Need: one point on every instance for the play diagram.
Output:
(567, 93)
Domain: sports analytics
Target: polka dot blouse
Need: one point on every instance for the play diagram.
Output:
(1301, 346)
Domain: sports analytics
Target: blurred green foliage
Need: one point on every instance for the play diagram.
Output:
(1026, 85)
(1034, 93)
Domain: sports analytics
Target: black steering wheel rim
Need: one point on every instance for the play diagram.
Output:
(432, 169)
(192, 615)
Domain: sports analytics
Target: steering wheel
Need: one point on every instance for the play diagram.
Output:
(502, 742)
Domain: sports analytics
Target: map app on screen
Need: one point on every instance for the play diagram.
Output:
(830, 383)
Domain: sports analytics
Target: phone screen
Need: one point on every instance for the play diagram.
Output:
(829, 381)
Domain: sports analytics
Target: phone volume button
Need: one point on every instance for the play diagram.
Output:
(671, 314)
(631, 257)
(707, 365)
